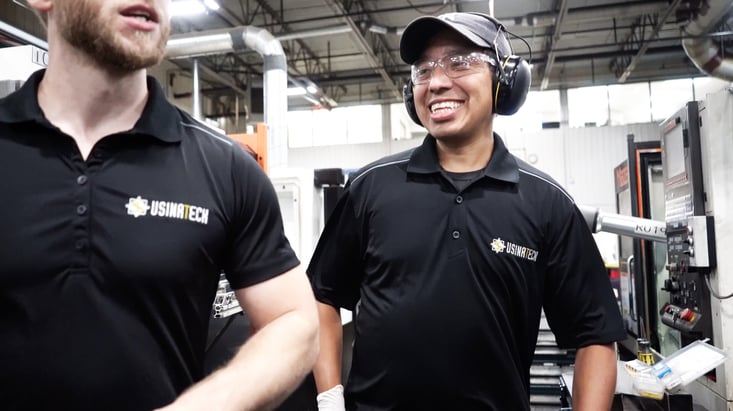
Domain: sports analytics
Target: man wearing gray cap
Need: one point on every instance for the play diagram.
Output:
(450, 251)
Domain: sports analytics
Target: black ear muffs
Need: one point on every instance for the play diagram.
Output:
(409, 99)
(511, 85)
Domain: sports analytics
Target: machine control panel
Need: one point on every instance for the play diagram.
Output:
(690, 237)
(688, 299)
(690, 244)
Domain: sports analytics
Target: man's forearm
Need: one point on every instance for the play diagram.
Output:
(327, 370)
(265, 370)
(594, 380)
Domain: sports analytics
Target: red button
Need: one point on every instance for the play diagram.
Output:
(687, 315)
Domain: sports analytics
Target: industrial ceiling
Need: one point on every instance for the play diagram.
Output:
(349, 49)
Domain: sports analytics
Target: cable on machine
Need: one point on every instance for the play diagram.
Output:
(713, 292)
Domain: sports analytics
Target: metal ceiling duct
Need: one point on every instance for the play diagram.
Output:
(24, 37)
(705, 54)
(275, 81)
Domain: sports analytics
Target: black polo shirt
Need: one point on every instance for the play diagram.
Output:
(109, 266)
(451, 283)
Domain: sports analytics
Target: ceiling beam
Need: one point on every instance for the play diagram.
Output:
(286, 28)
(562, 12)
(585, 14)
(375, 62)
(646, 42)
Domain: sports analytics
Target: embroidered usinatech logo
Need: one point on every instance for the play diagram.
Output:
(139, 207)
(500, 246)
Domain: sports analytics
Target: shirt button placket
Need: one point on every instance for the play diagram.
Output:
(81, 231)
(456, 222)
(81, 209)
(456, 234)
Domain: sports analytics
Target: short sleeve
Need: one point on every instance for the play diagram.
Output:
(336, 268)
(578, 301)
(259, 249)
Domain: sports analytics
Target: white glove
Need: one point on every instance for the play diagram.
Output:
(331, 400)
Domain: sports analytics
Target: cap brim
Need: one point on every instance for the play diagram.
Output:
(420, 30)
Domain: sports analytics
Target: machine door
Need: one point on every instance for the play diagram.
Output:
(640, 193)
(627, 276)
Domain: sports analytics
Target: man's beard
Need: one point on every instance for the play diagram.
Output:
(81, 23)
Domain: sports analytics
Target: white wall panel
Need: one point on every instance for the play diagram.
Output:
(590, 155)
(348, 155)
(544, 149)
(580, 159)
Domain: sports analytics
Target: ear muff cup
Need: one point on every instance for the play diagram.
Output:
(511, 85)
(409, 100)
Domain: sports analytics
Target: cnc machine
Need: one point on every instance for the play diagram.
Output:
(696, 293)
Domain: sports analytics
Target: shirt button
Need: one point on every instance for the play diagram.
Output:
(81, 180)
(81, 209)
(456, 234)
(79, 245)
(459, 199)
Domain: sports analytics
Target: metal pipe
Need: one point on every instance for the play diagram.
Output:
(196, 91)
(275, 74)
(705, 54)
(200, 44)
(326, 31)
(643, 228)
(15, 33)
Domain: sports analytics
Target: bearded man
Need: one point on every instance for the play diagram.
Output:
(121, 215)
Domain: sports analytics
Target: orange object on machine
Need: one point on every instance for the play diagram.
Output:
(255, 143)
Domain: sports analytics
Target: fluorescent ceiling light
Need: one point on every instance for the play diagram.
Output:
(211, 4)
(376, 28)
(186, 8)
(296, 91)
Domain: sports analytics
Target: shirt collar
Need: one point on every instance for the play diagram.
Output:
(502, 165)
(159, 118)
(22, 105)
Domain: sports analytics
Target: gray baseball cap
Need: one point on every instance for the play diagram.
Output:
(480, 29)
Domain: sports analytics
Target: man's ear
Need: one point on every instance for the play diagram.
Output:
(41, 9)
(42, 6)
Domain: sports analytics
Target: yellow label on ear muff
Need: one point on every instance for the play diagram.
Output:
(501, 78)
(496, 95)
